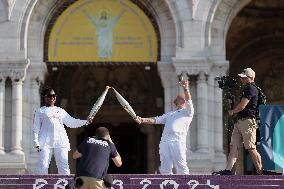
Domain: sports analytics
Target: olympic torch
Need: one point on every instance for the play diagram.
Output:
(98, 103)
(125, 104)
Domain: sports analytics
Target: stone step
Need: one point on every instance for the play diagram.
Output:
(143, 181)
(33, 180)
(154, 186)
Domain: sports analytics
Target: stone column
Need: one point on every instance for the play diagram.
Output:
(2, 113)
(36, 70)
(167, 97)
(211, 111)
(170, 84)
(202, 114)
(171, 89)
(35, 103)
(14, 161)
(220, 157)
(219, 69)
(218, 138)
(17, 108)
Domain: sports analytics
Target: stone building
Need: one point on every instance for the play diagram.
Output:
(50, 42)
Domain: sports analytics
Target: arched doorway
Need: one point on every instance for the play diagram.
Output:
(78, 87)
(79, 75)
(255, 39)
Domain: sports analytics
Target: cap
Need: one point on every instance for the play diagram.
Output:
(248, 72)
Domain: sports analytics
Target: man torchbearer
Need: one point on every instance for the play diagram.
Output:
(172, 148)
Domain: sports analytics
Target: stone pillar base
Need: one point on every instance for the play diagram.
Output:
(220, 161)
(200, 163)
(12, 164)
(32, 163)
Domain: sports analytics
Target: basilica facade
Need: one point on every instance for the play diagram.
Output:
(141, 48)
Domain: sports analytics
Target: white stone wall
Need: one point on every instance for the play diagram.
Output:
(193, 35)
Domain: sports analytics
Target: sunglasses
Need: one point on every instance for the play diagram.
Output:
(51, 95)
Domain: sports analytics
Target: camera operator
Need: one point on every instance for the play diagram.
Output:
(245, 129)
(93, 160)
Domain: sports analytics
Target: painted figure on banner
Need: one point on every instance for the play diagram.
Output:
(104, 29)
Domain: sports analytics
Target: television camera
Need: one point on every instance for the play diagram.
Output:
(229, 85)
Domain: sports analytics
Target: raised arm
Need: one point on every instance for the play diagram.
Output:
(185, 85)
(93, 19)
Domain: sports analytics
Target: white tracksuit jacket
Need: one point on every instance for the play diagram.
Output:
(48, 129)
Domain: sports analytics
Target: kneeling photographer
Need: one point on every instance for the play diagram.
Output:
(93, 156)
(244, 131)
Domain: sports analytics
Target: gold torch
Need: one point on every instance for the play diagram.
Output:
(125, 104)
(98, 103)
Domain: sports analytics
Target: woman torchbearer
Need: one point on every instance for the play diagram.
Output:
(49, 135)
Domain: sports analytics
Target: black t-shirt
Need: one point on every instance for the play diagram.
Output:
(251, 93)
(95, 157)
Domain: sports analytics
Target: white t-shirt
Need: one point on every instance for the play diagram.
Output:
(48, 128)
(176, 123)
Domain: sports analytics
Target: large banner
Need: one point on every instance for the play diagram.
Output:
(272, 137)
(103, 31)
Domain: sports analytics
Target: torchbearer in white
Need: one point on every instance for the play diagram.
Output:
(173, 142)
(125, 104)
(98, 103)
(49, 135)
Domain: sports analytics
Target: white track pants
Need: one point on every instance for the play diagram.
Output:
(61, 158)
(173, 154)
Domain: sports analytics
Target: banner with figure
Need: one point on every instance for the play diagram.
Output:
(272, 137)
(103, 31)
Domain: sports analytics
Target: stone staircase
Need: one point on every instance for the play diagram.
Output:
(143, 181)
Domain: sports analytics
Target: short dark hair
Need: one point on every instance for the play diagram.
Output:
(102, 132)
(46, 90)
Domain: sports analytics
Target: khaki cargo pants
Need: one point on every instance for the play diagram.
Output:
(245, 132)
